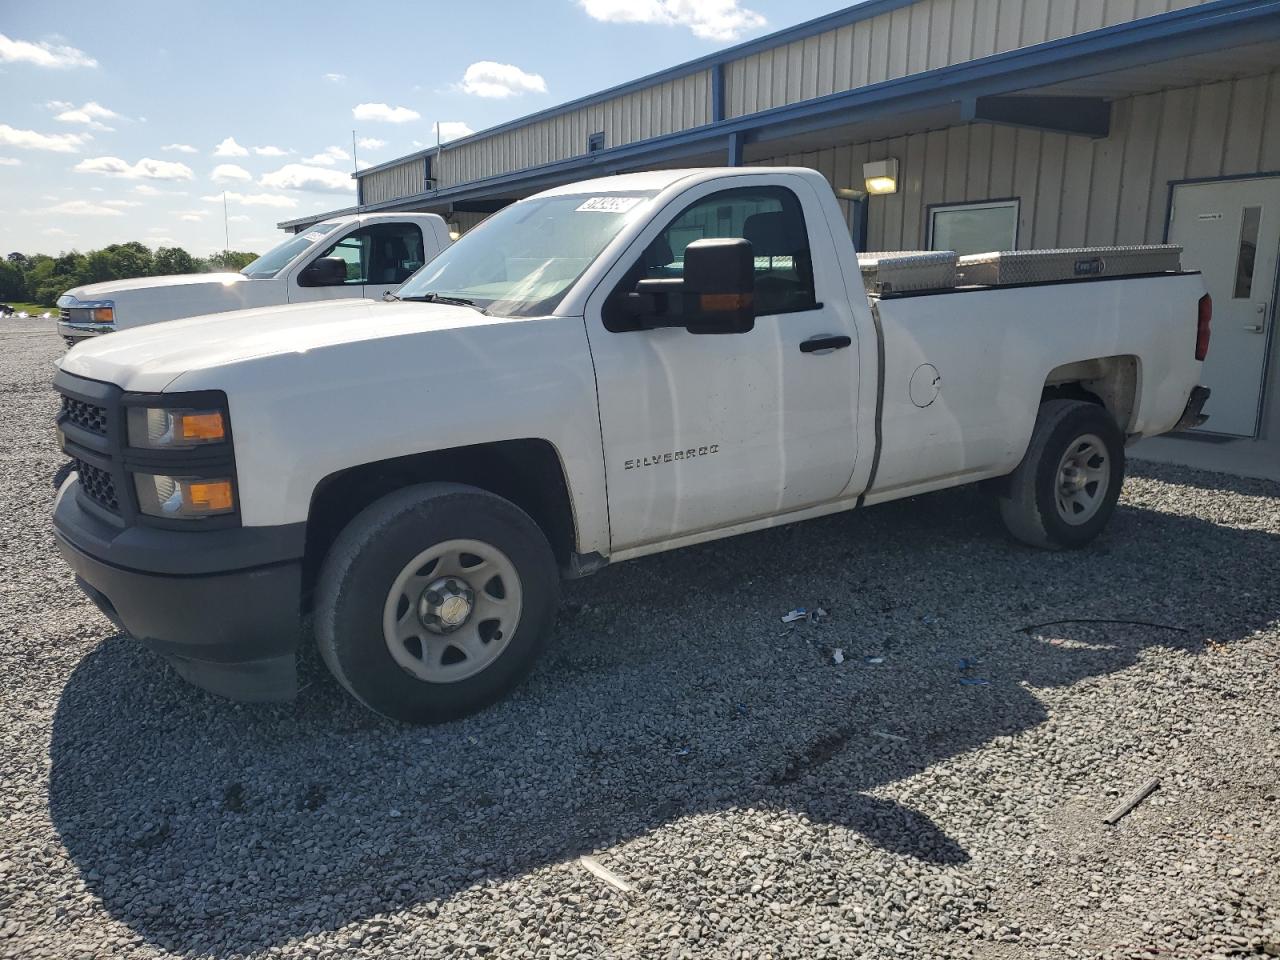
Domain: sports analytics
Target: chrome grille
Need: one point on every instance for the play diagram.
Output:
(98, 486)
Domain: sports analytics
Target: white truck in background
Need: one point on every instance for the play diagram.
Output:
(602, 371)
(342, 258)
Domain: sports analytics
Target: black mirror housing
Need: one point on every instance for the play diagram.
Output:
(719, 286)
(325, 272)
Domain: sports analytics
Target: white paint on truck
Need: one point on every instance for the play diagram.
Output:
(381, 250)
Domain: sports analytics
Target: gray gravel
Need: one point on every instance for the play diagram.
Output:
(763, 800)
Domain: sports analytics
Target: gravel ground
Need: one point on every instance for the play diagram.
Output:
(938, 794)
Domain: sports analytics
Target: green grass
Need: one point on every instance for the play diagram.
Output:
(34, 309)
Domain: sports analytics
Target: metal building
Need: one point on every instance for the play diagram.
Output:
(991, 124)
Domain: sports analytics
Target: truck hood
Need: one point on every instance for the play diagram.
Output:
(154, 299)
(151, 358)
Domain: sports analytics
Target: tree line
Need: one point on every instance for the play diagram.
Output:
(40, 278)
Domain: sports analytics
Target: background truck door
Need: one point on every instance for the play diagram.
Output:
(1230, 230)
(380, 256)
(701, 432)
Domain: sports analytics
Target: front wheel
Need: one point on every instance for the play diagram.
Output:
(1065, 489)
(434, 602)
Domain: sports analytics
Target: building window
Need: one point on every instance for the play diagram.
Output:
(427, 182)
(595, 142)
(985, 227)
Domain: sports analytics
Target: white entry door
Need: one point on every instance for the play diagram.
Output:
(1230, 230)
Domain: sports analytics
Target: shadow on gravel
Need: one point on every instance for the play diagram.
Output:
(672, 690)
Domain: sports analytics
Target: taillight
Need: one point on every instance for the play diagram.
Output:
(1203, 320)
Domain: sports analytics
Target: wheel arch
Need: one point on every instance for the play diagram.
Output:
(528, 472)
(1111, 382)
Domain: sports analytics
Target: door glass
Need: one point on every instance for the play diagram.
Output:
(395, 253)
(1249, 222)
(769, 217)
(353, 248)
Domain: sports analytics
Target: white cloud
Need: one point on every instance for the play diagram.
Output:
(32, 140)
(270, 151)
(58, 232)
(371, 143)
(191, 217)
(384, 113)
(229, 171)
(298, 176)
(451, 130)
(146, 190)
(83, 208)
(121, 203)
(179, 147)
(43, 54)
(485, 78)
(328, 157)
(10, 162)
(144, 169)
(708, 19)
(253, 199)
(336, 77)
(239, 218)
(90, 114)
(229, 148)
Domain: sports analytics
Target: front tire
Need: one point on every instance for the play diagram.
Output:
(1065, 489)
(434, 602)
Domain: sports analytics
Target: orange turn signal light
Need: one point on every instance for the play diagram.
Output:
(201, 426)
(716, 302)
(210, 495)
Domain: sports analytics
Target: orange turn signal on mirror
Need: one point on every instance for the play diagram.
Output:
(716, 302)
(201, 426)
(208, 495)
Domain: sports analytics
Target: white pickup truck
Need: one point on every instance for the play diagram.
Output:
(342, 258)
(603, 371)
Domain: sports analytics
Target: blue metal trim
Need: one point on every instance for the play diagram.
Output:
(736, 140)
(1214, 25)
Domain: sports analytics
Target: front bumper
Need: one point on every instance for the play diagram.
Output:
(224, 606)
(74, 332)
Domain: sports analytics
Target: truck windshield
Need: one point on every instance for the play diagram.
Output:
(522, 260)
(282, 254)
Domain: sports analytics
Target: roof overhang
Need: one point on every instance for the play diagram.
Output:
(1217, 40)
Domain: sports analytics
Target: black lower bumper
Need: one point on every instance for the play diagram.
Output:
(1191, 416)
(232, 632)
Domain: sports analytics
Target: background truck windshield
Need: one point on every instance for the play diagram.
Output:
(522, 260)
(279, 256)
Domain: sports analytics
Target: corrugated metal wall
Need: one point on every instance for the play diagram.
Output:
(923, 36)
(402, 180)
(1074, 191)
(666, 108)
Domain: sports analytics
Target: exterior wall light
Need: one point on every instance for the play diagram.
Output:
(881, 177)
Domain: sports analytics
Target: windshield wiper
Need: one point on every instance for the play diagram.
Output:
(441, 298)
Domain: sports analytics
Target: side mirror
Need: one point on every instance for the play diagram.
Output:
(716, 294)
(325, 272)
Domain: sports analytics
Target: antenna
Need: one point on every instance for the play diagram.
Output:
(226, 222)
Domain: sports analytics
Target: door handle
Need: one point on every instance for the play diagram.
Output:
(824, 344)
(1255, 327)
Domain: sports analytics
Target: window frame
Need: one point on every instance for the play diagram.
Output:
(614, 324)
(1015, 203)
(406, 225)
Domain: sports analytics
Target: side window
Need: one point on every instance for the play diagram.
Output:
(395, 252)
(353, 248)
(769, 217)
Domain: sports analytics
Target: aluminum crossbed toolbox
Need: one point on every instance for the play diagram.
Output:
(1045, 266)
(904, 271)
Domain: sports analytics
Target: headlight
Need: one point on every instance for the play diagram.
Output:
(166, 428)
(88, 311)
(184, 497)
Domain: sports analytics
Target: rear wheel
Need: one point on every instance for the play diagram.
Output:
(435, 601)
(1065, 490)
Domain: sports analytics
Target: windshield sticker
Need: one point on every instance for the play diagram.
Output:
(608, 204)
(313, 237)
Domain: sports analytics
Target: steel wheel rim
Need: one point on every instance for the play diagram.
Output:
(1082, 480)
(421, 605)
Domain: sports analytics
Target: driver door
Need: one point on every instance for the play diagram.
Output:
(702, 432)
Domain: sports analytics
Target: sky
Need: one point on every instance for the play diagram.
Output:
(131, 121)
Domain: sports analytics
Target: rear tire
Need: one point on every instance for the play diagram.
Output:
(434, 602)
(1065, 489)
